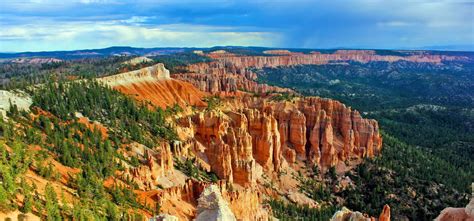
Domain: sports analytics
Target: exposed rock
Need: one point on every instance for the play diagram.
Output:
(230, 72)
(265, 133)
(278, 52)
(225, 83)
(301, 199)
(164, 217)
(20, 99)
(35, 60)
(19, 216)
(152, 73)
(138, 60)
(385, 215)
(155, 85)
(336, 133)
(157, 163)
(363, 56)
(212, 207)
(347, 215)
(458, 214)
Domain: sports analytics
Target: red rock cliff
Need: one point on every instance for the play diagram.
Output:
(229, 72)
(262, 134)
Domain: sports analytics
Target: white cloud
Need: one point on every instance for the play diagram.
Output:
(75, 35)
(395, 24)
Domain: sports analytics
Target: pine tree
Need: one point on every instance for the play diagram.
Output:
(52, 206)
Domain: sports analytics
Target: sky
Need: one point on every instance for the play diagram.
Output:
(46, 25)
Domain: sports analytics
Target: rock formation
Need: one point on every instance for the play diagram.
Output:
(347, 215)
(154, 84)
(260, 134)
(288, 59)
(156, 163)
(226, 84)
(212, 207)
(230, 72)
(458, 214)
(385, 215)
(164, 217)
(22, 101)
(248, 140)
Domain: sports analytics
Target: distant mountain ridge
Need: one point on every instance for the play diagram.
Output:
(136, 51)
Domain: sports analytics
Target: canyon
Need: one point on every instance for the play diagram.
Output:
(230, 73)
(247, 141)
(240, 144)
(250, 139)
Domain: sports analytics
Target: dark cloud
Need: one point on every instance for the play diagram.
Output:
(298, 23)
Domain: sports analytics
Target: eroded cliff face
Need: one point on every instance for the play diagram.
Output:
(154, 84)
(290, 58)
(260, 134)
(229, 73)
(225, 82)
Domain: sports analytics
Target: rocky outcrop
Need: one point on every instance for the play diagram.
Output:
(226, 84)
(347, 215)
(385, 215)
(138, 60)
(19, 216)
(164, 217)
(262, 133)
(212, 207)
(156, 163)
(325, 131)
(154, 84)
(228, 145)
(153, 73)
(36, 60)
(458, 214)
(20, 99)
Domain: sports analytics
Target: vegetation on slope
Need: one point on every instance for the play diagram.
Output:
(52, 132)
(119, 112)
(20, 75)
(416, 184)
(427, 114)
(290, 211)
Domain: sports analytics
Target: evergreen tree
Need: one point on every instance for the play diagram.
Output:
(51, 206)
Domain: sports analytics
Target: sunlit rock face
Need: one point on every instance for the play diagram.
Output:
(459, 214)
(154, 84)
(212, 207)
(263, 134)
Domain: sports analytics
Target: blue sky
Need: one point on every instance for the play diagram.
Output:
(38, 25)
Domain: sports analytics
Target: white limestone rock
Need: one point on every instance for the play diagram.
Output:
(212, 207)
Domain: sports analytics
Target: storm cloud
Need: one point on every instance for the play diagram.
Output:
(404, 24)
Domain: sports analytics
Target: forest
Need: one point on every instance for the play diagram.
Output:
(20, 75)
(427, 117)
(54, 126)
